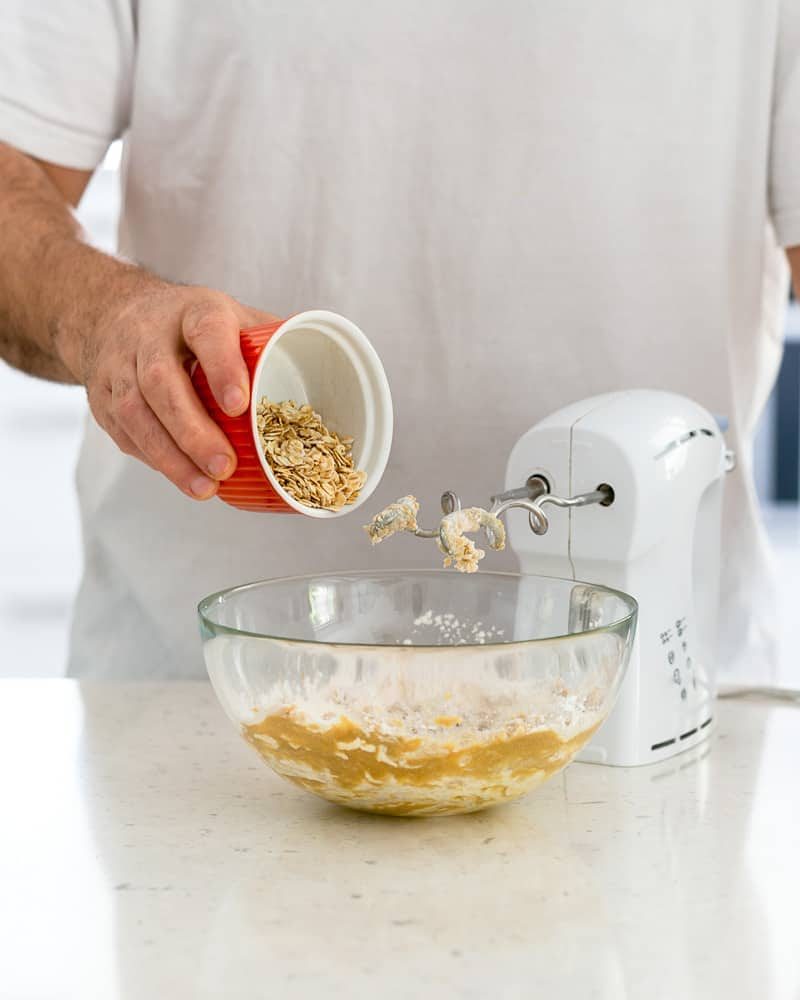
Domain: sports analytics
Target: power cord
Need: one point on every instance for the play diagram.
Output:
(778, 693)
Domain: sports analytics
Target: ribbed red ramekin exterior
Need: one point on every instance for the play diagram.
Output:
(248, 488)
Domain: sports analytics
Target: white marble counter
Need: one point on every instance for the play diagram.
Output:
(145, 852)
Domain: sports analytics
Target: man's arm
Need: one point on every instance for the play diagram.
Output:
(18, 182)
(69, 182)
(71, 313)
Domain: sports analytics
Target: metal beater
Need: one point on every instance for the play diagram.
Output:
(532, 497)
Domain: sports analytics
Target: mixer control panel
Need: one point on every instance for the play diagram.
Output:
(674, 641)
(685, 678)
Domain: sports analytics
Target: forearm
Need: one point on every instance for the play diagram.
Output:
(53, 285)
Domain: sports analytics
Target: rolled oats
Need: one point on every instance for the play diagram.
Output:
(311, 462)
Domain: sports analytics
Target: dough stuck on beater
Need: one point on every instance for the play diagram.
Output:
(459, 551)
(398, 516)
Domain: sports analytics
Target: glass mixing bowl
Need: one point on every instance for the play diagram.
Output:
(417, 693)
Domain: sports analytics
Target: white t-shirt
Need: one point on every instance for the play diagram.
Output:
(521, 204)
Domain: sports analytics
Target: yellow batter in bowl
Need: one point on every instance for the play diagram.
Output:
(398, 775)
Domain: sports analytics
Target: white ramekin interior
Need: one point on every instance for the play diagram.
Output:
(323, 359)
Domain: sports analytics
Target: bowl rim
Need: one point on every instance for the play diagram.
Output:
(205, 604)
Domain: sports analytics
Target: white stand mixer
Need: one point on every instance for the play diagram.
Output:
(635, 479)
(661, 460)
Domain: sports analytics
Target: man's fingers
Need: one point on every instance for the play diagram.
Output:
(144, 398)
(211, 332)
(132, 416)
(168, 390)
(123, 441)
(249, 316)
(100, 405)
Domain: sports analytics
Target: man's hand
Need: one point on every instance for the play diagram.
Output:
(73, 314)
(132, 364)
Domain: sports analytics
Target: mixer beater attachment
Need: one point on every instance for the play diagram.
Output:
(457, 521)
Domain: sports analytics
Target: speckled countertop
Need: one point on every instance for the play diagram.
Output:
(145, 852)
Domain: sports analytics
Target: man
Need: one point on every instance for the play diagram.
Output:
(521, 204)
